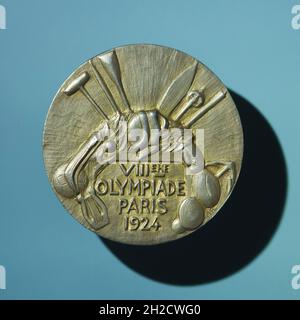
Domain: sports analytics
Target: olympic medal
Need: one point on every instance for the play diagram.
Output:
(143, 144)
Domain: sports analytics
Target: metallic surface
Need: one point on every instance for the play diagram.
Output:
(150, 87)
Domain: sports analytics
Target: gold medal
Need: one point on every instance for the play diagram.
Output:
(143, 144)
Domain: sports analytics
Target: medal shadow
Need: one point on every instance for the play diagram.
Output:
(241, 230)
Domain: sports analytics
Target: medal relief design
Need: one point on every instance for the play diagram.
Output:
(143, 144)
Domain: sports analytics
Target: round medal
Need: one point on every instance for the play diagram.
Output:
(143, 144)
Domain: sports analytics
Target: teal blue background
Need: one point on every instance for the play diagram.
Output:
(250, 45)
